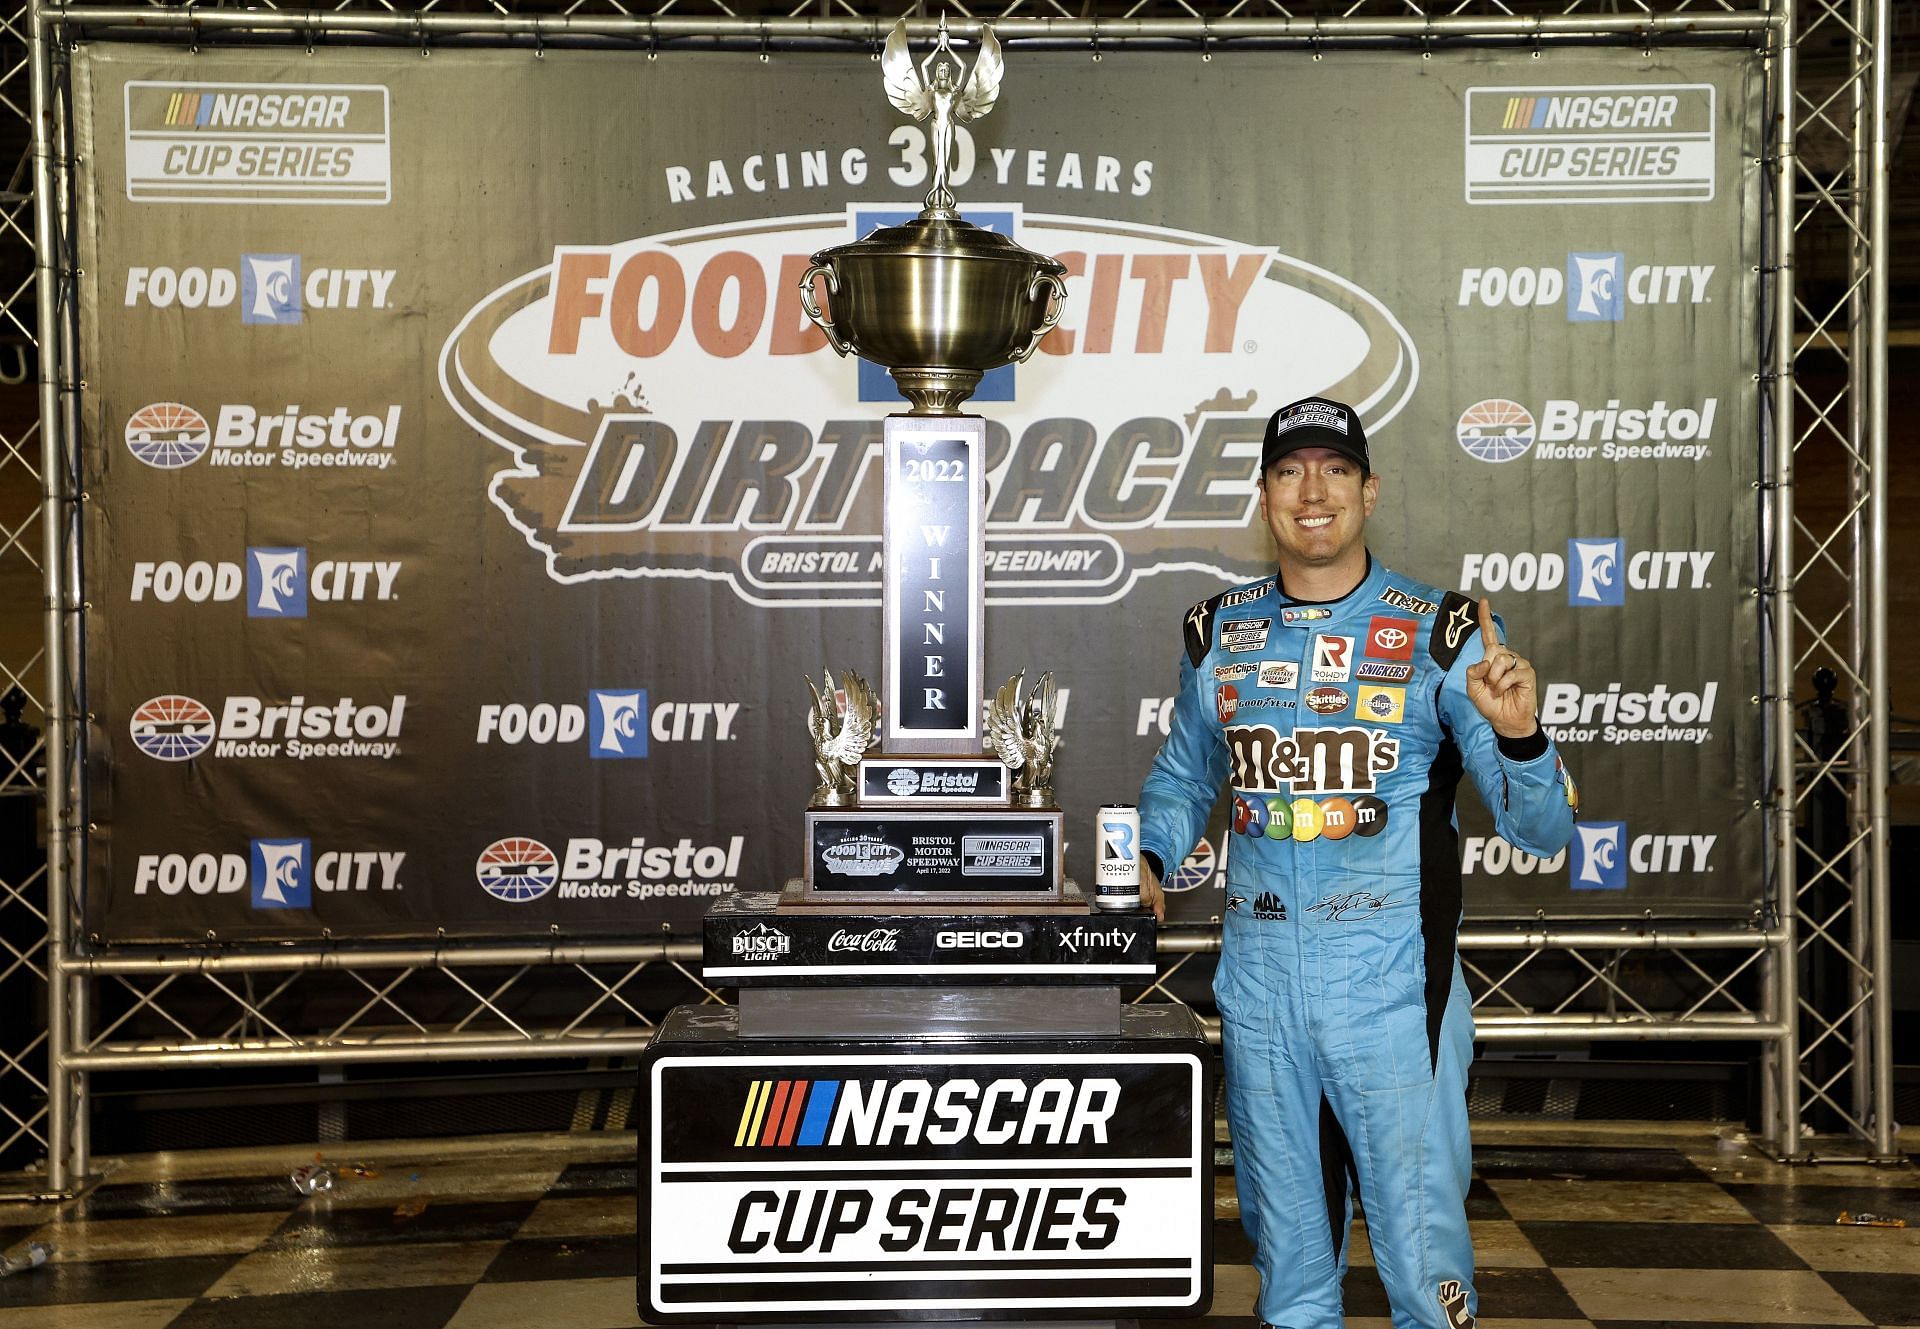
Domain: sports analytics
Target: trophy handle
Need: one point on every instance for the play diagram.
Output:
(825, 324)
(1056, 305)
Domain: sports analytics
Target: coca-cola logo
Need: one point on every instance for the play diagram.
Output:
(870, 941)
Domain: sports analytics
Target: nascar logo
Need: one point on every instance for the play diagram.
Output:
(804, 1114)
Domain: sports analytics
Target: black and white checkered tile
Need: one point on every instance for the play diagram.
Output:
(535, 1232)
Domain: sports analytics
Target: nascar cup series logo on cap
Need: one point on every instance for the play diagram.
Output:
(599, 373)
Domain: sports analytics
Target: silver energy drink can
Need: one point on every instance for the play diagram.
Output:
(1116, 874)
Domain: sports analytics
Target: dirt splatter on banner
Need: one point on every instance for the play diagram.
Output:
(469, 493)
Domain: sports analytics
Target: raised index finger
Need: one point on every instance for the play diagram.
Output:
(1489, 635)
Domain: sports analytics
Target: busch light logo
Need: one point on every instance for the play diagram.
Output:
(282, 878)
(517, 869)
(276, 583)
(617, 724)
(1495, 430)
(1597, 567)
(1599, 856)
(1595, 291)
(270, 288)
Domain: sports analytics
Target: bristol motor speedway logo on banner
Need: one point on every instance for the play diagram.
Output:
(170, 435)
(615, 722)
(274, 582)
(669, 411)
(1614, 715)
(518, 869)
(929, 1178)
(276, 873)
(1498, 429)
(1593, 571)
(179, 728)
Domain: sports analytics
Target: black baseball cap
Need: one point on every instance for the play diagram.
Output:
(1314, 422)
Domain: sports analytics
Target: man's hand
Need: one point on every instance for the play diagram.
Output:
(1151, 895)
(1502, 685)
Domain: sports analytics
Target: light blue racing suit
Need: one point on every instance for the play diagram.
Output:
(1343, 729)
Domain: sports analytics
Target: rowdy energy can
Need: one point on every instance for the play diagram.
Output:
(1116, 876)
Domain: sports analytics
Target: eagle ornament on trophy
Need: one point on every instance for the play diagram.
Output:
(1022, 734)
(844, 725)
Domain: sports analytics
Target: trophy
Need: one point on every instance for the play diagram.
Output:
(957, 805)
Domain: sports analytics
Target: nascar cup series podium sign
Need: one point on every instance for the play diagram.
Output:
(468, 487)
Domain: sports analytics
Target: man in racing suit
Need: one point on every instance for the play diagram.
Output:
(1342, 702)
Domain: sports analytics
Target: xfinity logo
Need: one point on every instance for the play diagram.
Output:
(1081, 938)
(280, 874)
(269, 288)
(616, 722)
(277, 582)
(1597, 288)
(1603, 856)
(1595, 572)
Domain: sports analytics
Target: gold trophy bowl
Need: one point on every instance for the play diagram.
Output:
(936, 301)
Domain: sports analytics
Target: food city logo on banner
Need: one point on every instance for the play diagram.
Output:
(1598, 287)
(518, 869)
(615, 722)
(271, 290)
(275, 582)
(1593, 572)
(276, 873)
(670, 412)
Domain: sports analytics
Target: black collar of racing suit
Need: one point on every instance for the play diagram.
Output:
(1365, 577)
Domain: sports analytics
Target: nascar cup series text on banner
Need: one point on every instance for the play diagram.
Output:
(601, 458)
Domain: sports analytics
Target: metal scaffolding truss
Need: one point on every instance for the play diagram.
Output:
(93, 1009)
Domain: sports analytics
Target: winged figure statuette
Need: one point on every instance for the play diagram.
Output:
(944, 89)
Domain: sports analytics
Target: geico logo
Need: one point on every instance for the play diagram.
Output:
(252, 717)
(200, 582)
(1493, 856)
(1155, 713)
(226, 874)
(1562, 421)
(244, 427)
(1005, 1111)
(218, 288)
(982, 941)
(566, 722)
(732, 302)
(1648, 570)
(1670, 853)
(1647, 284)
(1567, 703)
(1310, 761)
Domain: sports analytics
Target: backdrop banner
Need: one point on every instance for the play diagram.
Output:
(468, 493)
